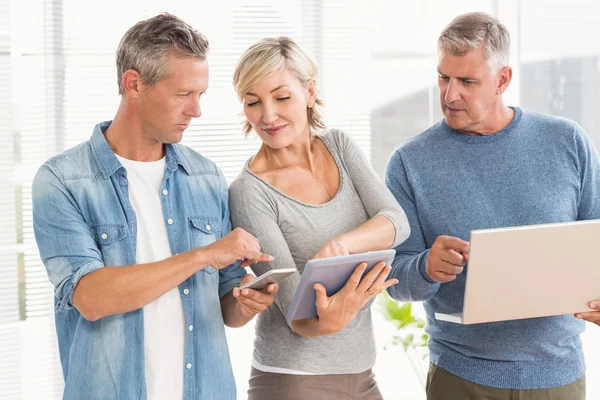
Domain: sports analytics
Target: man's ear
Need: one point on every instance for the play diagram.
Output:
(505, 76)
(131, 83)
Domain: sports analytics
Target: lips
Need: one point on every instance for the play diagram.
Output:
(453, 112)
(275, 130)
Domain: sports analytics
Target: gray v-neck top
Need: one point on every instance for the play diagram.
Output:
(293, 232)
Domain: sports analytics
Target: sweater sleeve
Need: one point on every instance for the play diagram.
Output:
(376, 198)
(589, 175)
(411, 256)
(252, 211)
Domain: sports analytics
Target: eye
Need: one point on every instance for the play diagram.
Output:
(182, 95)
(283, 98)
(443, 77)
(252, 104)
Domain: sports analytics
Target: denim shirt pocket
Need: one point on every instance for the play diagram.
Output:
(204, 230)
(110, 241)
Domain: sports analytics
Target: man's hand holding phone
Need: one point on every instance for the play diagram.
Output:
(256, 294)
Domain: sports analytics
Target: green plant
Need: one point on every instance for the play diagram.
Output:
(410, 333)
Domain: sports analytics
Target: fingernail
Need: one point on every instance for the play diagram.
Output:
(271, 258)
(593, 305)
(245, 292)
(577, 315)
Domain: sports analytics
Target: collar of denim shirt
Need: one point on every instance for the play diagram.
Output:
(108, 162)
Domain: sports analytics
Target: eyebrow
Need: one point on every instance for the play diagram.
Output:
(274, 90)
(190, 91)
(462, 78)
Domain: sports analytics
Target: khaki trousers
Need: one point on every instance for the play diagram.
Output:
(442, 385)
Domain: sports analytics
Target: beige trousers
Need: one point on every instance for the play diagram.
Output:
(270, 386)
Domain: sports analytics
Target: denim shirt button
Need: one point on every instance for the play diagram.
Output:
(165, 192)
(191, 327)
(207, 227)
(104, 236)
(188, 366)
(186, 291)
(170, 221)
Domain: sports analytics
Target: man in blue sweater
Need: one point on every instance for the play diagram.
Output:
(486, 165)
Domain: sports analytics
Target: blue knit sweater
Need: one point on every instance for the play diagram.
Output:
(539, 169)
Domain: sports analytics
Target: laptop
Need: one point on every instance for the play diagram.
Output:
(530, 271)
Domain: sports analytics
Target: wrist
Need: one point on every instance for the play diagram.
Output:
(327, 327)
(202, 257)
(426, 273)
(246, 312)
(343, 241)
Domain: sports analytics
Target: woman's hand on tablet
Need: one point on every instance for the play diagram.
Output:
(336, 312)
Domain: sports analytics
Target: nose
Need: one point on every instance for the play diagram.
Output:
(452, 92)
(194, 109)
(269, 114)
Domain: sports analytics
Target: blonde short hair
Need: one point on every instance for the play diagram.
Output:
(271, 55)
(472, 30)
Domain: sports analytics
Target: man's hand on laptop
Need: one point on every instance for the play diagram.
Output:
(447, 258)
(591, 316)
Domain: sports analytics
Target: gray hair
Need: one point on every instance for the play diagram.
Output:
(471, 30)
(270, 55)
(146, 46)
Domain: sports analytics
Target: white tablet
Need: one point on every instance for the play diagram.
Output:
(333, 273)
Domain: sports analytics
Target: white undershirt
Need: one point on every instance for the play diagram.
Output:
(277, 370)
(164, 321)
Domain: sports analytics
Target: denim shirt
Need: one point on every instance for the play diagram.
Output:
(83, 221)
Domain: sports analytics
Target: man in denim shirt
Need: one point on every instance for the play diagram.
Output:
(154, 213)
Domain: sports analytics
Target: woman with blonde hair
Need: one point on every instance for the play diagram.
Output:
(309, 193)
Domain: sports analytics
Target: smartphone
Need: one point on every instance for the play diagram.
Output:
(272, 276)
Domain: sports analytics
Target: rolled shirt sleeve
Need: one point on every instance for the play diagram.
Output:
(65, 241)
